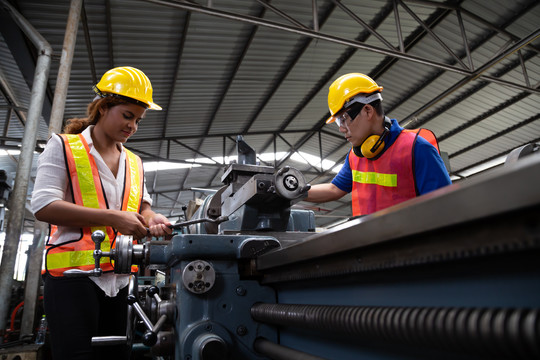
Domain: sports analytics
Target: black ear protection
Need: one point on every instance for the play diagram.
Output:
(374, 144)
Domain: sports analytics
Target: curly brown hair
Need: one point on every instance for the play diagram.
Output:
(77, 125)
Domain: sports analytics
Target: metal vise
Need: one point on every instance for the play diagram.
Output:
(256, 198)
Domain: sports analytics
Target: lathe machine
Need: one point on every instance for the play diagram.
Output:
(454, 274)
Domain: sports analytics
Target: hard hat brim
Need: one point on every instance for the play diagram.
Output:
(154, 106)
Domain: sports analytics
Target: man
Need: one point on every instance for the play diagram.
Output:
(387, 164)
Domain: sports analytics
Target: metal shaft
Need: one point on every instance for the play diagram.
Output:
(493, 332)
(279, 352)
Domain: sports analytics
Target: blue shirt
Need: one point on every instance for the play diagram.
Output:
(429, 169)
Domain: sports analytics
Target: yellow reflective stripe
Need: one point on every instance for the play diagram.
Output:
(135, 179)
(84, 172)
(67, 259)
(362, 177)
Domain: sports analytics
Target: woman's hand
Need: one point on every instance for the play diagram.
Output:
(130, 223)
(158, 225)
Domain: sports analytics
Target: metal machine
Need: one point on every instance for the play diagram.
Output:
(453, 274)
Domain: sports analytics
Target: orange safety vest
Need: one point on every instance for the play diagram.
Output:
(389, 179)
(87, 191)
(426, 134)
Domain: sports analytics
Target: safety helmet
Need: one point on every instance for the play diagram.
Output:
(351, 88)
(129, 82)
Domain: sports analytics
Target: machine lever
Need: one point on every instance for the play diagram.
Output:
(191, 222)
(149, 337)
(109, 340)
(97, 237)
(83, 273)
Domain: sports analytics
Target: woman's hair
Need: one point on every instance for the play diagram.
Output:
(77, 125)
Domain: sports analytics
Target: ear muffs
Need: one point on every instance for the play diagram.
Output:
(374, 144)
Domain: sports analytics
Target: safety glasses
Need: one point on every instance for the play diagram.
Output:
(348, 115)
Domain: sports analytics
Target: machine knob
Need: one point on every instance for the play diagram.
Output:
(198, 276)
(289, 183)
(149, 338)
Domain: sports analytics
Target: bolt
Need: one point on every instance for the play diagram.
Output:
(241, 330)
(283, 170)
(241, 291)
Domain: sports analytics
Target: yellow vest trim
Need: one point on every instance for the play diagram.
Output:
(84, 172)
(389, 180)
(75, 258)
(135, 181)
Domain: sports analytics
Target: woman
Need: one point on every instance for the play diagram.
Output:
(87, 181)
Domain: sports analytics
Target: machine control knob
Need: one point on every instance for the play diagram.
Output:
(198, 276)
(289, 183)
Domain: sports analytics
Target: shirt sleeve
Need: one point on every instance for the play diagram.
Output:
(343, 179)
(51, 179)
(146, 197)
(429, 169)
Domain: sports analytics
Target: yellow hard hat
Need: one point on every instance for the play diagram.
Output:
(345, 88)
(128, 82)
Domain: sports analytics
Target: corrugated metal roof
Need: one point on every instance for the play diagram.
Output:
(216, 77)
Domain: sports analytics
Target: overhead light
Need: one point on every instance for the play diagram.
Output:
(269, 157)
(4, 152)
(166, 165)
(302, 157)
(483, 167)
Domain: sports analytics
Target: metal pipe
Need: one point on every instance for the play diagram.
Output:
(10, 95)
(433, 35)
(398, 27)
(315, 11)
(20, 191)
(279, 352)
(64, 71)
(89, 46)
(512, 333)
(282, 14)
(31, 288)
(55, 126)
(366, 26)
(465, 42)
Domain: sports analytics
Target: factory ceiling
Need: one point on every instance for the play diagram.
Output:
(467, 70)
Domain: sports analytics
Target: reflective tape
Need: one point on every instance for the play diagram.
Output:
(389, 180)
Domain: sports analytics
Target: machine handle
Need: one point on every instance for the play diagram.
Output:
(191, 222)
(109, 340)
(83, 273)
(97, 237)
